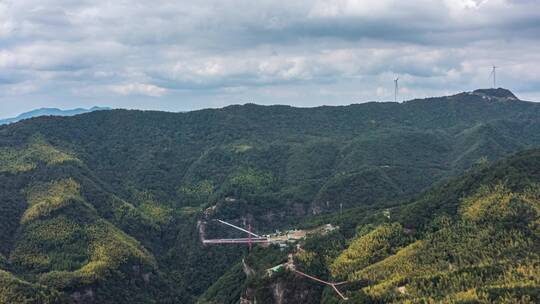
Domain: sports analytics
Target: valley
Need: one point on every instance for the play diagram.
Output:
(429, 200)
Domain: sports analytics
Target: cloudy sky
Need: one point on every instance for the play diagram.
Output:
(182, 55)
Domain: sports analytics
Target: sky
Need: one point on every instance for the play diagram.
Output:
(186, 55)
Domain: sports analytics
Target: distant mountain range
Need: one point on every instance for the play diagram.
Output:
(50, 112)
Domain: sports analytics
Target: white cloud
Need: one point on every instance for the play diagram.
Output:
(19, 89)
(139, 89)
(365, 8)
(193, 54)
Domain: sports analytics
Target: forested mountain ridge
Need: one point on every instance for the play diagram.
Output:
(97, 205)
(475, 239)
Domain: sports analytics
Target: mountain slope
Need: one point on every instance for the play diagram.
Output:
(479, 244)
(98, 204)
(483, 247)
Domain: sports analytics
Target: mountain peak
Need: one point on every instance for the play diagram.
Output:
(499, 94)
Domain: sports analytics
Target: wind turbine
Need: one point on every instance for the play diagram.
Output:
(396, 88)
(494, 74)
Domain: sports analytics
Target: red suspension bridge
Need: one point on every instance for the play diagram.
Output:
(255, 238)
(251, 239)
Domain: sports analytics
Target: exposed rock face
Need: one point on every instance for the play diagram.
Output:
(244, 300)
(496, 94)
(299, 209)
(248, 297)
(278, 291)
(86, 297)
(248, 271)
(402, 289)
(284, 290)
(146, 277)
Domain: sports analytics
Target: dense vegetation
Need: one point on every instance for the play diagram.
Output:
(481, 244)
(482, 247)
(103, 207)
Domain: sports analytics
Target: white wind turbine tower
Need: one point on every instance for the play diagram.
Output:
(396, 88)
(494, 75)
